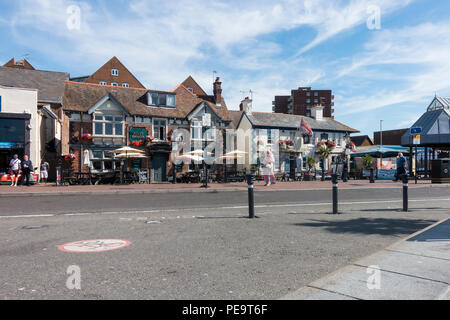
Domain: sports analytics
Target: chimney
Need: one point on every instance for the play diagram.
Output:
(218, 92)
(246, 105)
(317, 112)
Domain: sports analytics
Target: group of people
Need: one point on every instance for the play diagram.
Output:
(24, 168)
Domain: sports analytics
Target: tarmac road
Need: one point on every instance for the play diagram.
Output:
(182, 249)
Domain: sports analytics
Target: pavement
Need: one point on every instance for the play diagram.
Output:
(416, 268)
(201, 245)
(43, 189)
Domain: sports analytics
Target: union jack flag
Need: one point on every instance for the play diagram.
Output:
(305, 128)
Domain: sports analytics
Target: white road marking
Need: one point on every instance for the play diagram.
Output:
(220, 208)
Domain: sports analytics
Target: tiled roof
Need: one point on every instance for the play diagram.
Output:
(358, 140)
(281, 120)
(82, 96)
(50, 85)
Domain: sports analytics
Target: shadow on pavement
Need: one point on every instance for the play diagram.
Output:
(368, 226)
(438, 233)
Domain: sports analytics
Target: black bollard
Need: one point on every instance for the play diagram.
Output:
(174, 173)
(405, 192)
(334, 181)
(251, 198)
(205, 176)
(372, 178)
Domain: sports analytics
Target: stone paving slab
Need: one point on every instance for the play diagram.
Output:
(416, 268)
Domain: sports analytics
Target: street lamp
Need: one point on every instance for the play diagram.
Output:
(381, 133)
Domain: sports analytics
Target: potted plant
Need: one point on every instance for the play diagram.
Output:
(367, 161)
(311, 163)
(324, 152)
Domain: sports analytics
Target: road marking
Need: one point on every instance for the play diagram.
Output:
(221, 208)
(97, 245)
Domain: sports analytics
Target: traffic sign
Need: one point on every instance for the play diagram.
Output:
(416, 130)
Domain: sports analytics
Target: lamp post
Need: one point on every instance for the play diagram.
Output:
(206, 122)
(381, 133)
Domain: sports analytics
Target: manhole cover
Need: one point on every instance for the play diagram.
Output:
(98, 245)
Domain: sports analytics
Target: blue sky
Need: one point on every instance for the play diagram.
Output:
(389, 73)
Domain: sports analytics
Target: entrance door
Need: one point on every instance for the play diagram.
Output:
(159, 168)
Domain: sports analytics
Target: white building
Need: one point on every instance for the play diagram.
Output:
(18, 125)
(281, 133)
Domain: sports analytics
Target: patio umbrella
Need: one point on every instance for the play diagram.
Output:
(230, 157)
(130, 155)
(199, 153)
(236, 153)
(127, 149)
(188, 157)
(379, 151)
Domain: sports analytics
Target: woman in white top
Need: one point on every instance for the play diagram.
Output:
(15, 165)
(267, 167)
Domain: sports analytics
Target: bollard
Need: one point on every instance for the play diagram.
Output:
(405, 192)
(334, 181)
(174, 173)
(372, 178)
(205, 176)
(251, 198)
(58, 175)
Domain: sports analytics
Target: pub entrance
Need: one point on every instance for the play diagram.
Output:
(159, 153)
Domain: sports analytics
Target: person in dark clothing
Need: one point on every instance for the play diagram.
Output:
(401, 167)
(27, 167)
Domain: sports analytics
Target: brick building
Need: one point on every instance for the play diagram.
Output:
(101, 118)
(390, 137)
(301, 101)
(112, 73)
(19, 64)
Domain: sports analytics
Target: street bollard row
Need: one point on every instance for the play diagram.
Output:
(334, 180)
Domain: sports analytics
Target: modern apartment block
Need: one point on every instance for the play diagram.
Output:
(302, 100)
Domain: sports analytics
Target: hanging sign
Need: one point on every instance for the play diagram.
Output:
(416, 139)
(138, 134)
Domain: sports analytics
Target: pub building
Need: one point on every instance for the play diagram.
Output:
(98, 119)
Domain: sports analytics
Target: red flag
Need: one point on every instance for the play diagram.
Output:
(306, 128)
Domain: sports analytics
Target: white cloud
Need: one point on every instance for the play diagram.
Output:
(419, 52)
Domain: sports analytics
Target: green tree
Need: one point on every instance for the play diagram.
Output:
(311, 162)
(367, 162)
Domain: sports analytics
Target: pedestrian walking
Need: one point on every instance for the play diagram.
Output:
(267, 165)
(44, 171)
(401, 167)
(27, 168)
(15, 170)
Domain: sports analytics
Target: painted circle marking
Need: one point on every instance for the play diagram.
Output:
(97, 245)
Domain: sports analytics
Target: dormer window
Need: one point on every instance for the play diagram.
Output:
(114, 84)
(161, 99)
(125, 85)
(103, 83)
(114, 72)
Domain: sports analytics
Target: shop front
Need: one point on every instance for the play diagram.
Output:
(13, 138)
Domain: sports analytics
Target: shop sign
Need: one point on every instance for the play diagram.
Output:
(138, 134)
(9, 145)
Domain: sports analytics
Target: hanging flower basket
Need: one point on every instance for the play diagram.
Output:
(321, 143)
(137, 143)
(331, 144)
(87, 136)
(70, 156)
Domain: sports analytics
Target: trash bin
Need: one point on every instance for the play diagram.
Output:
(440, 170)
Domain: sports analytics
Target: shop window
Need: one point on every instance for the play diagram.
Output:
(12, 130)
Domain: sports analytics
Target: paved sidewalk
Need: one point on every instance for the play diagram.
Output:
(416, 268)
(42, 189)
